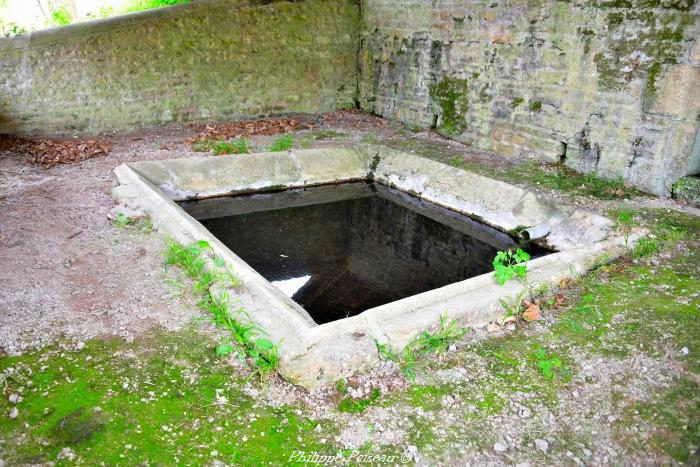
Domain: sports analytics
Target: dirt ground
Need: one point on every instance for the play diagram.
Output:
(550, 392)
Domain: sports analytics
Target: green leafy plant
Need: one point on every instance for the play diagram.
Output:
(341, 386)
(513, 308)
(61, 16)
(624, 222)
(11, 29)
(307, 141)
(122, 220)
(457, 162)
(509, 264)
(423, 344)
(140, 5)
(645, 246)
(601, 187)
(370, 138)
(220, 147)
(144, 224)
(546, 363)
(283, 143)
(239, 146)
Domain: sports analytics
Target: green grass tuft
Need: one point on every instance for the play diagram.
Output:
(283, 143)
(241, 328)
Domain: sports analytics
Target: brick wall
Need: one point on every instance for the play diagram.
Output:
(208, 60)
(612, 86)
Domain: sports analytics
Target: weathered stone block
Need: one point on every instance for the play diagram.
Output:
(679, 92)
(688, 189)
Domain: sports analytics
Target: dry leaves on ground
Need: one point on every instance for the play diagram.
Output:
(51, 152)
(355, 119)
(264, 127)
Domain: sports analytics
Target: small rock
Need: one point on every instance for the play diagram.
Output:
(80, 345)
(452, 348)
(15, 398)
(66, 453)
(493, 327)
(500, 447)
(685, 351)
(542, 445)
(524, 412)
(14, 412)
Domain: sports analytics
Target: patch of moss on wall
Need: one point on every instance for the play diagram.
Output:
(641, 35)
(536, 106)
(652, 77)
(450, 95)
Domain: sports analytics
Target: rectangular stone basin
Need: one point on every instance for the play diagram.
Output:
(343, 248)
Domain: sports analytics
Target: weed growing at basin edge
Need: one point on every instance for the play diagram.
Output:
(559, 177)
(624, 222)
(411, 358)
(370, 138)
(283, 143)
(144, 223)
(219, 147)
(242, 330)
(508, 264)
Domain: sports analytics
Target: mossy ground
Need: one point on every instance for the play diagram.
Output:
(164, 399)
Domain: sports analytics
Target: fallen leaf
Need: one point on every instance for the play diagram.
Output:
(565, 282)
(505, 319)
(532, 313)
(266, 127)
(560, 300)
(51, 152)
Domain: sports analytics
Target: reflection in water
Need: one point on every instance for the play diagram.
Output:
(291, 286)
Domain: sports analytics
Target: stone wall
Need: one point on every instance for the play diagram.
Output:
(208, 60)
(610, 86)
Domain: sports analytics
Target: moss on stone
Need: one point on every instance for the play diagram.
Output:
(652, 76)
(450, 95)
(658, 36)
(536, 106)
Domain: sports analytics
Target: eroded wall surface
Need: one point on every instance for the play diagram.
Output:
(610, 86)
(209, 60)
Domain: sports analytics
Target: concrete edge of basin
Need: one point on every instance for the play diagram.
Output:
(312, 355)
